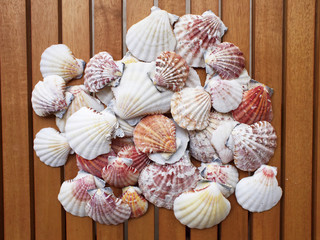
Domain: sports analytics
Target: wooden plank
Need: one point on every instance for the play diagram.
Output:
(14, 111)
(177, 7)
(268, 21)
(44, 33)
(137, 10)
(299, 72)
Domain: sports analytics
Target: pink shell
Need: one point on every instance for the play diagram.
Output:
(118, 143)
(139, 159)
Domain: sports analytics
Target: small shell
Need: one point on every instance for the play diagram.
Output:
(202, 207)
(105, 95)
(193, 79)
(139, 159)
(128, 59)
(226, 59)
(215, 120)
(73, 194)
(59, 60)
(105, 208)
(137, 203)
(259, 192)
(118, 143)
(51, 147)
(190, 108)
(126, 127)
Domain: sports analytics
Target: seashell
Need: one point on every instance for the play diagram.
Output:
(48, 97)
(253, 145)
(73, 194)
(126, 127)
(139, 159)
(200, 146)
(193, 79)
(102, 71)
(105, 208)
(190, 108)
(152, 35)
(118, 143)
(171, 71)
(226, 176)
(51, 147)
(155, 133)
(195, 34)
(105, 95)
(259, 192)
(203, 207)
(59, 60)
(119, 172)
(96, 165)
(89, 132)
(225, 59)
(128, 59)
(216, 119)
(81, 99)
(137, 96)
(137, 203)
(161, 184)
(255, 106)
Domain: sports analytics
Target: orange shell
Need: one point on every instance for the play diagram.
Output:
(133, 197)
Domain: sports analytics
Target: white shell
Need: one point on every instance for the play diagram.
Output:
(128, 59)
(200, 146)
(193, 79)
(126, 127)
(105, 95)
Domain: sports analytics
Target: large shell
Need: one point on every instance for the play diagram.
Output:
(73, 194)
(259, 192)
(202, 207)
(51, 147)
(195, 34)
(105, 208)
(253, 145)
(255, 106)
(59, 60)
(102, 71)
(190, 108)
(226, 59)
(120, 173)
(152, 35)
(161, 184)
(139, 159)
(171, 71)
(133, 197)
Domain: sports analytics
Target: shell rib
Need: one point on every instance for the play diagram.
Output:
(139, 159)
(200, 146)
(133, 197)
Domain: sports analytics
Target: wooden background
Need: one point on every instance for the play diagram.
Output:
(280, 40)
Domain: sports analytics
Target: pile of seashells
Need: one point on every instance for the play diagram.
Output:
(131, 144)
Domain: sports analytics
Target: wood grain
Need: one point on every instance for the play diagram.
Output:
(137, 10)
(177, 7)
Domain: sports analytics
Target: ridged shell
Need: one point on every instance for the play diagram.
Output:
(120, 173)
(51, 147)
(118, 143)
(200, 146)
(89, 132)
(226, 59)
(152, 35)
(202, 207)
(190, 108)
(193, 79)
(59, 60)
(139, 159)
(171, 71)
(255, 106)
(195, 34)
(253, 145)
(128, 59)
(73, 194)
(216, 119)
(161, 184)
(137, 203)
(102, 71)
(105, 95)
(155, 133)
(105, 208)
(126, 127)
(259, 192)
(96, 165)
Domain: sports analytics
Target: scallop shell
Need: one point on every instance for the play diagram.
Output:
(161, 184)
(195, 34)
(255, 106)
(119, 172)
(128, 59)
(193, 79)
(51, 147)
(200, 146)
(202, 207)
(225, 59)
(253, 145)
(102, 71)
(105, 95)
(73, 194)
(59, 60)
(139, 159)
(259, 192)
(190, 108)
(105, 208)
(152, 35)
(137, 203)
(126, 127)
(215, 120)
(118, 143)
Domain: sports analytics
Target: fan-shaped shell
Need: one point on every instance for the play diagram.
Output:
(200, 146)
(133, 197)
(128, 59)
(105, 95)
(126, 127)
(259, 192)
(161, 184)
(152, 35)
(59, 60)
(202, 207)
(193, 79)
(73, 194)
(190, 108)
(139, 159)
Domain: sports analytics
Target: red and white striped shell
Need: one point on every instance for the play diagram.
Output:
(133, 197)
(139, 159)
